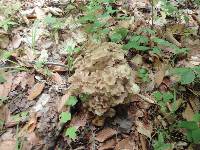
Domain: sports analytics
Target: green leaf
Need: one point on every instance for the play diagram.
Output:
(161, 41)
(167, 96)
(2, 79)
(116, 37)
(187, 75)
(65, 117)
(190, 125)
(71, 132)
(196, 136)
(72, 100)
(196, 117)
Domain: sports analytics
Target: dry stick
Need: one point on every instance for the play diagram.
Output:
(152, 15)
(146, 98)
(49, 63)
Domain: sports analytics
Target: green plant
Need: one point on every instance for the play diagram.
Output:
(192, 129)
(53, 23)
(186, 75)
(160, 143)
(118, 34)
(71, 132)
(65, 117)
(143, 75)
(7, 24)
(96, 16)
(162, 98)
(72, 100)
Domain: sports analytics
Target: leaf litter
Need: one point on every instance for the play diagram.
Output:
(40, 40)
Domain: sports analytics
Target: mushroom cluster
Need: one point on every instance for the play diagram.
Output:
(102, 72)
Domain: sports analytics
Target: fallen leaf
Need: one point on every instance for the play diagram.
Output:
(31, 141)
(6, 87)
(110, 144)
(159, 75)
(3, 114)
(145, 129)
(43, 99)
(143, 142)
(18, 79)
(125, 144)
(30, 126)
(61, 103)
(8, 145)
(36, 91)
(98, 121)
(16, 42)
(105, 134)
(4, 41)
(188, 113)
(57, 78)
(79, 120)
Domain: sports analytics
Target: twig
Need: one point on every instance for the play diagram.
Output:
(49, 63)
(146, 99)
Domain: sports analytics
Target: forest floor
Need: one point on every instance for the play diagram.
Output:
(99, 74)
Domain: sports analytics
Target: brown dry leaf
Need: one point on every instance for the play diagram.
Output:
(31, 141)
(159, 75)
(18, 79)
(16, 41)
(145, 129)
(105, 134)
(61, 104)
(188, 113)
(57, 78)
(3, 113)
(143, 142)
(79, 120)
(6, 87)
(126, 144)
(30, 126)
(36, 91)
(4, 41)
(30, 81)
(98, 121)
(8, 145)
(110, 144)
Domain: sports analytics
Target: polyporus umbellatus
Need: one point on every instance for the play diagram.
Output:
(102, 72)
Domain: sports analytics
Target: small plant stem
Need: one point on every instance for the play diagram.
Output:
(152, 14)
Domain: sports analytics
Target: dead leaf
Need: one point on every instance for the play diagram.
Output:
(6, 87)
(143, 142)
(16, 42)
(79, 120)
(126, 144)
(98, 121)
(3, 113)
(159, 75)
(36, 91)
(29, 81)
(61, 104)
(145, 129)
(57, 78)
(105, 134)
(31, 141)
(8, 145)
(188, 113)
(4, 41)
(110, 144)
(30, 126)
(18, 79)
(43, 100)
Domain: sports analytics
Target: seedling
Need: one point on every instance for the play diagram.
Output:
(65, 117)
(72, 100)
(192, 129)
(160, 143)
(71, 132)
